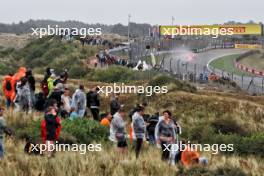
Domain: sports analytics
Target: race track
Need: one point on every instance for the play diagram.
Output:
(176, 63)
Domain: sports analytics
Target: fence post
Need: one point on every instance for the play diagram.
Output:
(178, 66)
(195, 70)
(242, 80)
(162, 63)
(204, 69)
(262, 88)
(170, 65)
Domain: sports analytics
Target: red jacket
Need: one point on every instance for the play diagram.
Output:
(44, 131)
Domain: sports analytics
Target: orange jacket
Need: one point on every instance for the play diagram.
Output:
(8, 93)
(17, 77)
(20, 74)
(188, 156)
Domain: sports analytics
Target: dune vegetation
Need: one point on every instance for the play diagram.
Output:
(206, 117)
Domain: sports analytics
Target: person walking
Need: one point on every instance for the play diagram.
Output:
(31, 83)
(139, 128)
(23, 99)
(114, 104)
(118, 131)
(93, 102)
(79, 101)
(3, 130)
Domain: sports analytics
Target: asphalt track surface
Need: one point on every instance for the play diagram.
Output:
(179, 63)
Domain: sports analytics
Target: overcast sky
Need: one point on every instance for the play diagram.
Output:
(142, 11)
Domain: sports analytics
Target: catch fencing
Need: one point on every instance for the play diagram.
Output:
(193, 72)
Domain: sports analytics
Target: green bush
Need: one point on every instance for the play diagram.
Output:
(6, 52)
(113, 74)
(78, 71)
(194, 171)
(229, 170)
(78, 130)
(228, 126)
(250, 145)
(163, 79)
(49, 52)
(30, 130)
(85, 130)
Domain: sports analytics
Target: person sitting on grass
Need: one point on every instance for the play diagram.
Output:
(190, 157)
(106, 119)
(3, 129)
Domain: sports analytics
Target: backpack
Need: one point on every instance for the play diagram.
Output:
(44, 130)
(44, 88)
(8, 85)
(88, 99)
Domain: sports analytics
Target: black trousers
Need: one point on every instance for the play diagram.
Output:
(165, 152)
(95, 113)
(139, 143)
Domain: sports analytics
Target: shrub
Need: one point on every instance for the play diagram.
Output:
(229, 170)
(227, 126)
(85, 130)
(250, 145)
(6, 52)
(78, 71)
(113, 74)
(4, 69)
(163, 79)
(194, 171)
(79, 130)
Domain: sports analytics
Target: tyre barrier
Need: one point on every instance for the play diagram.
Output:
(249, 69)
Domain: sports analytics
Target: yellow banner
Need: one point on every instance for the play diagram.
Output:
(248, 46)
(246, 29)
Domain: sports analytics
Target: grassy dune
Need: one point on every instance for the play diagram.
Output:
(196, 112)
(108, 162)
(206, 117)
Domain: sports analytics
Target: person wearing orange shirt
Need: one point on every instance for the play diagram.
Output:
(189, 156)
(106, 119)
(8, 89)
